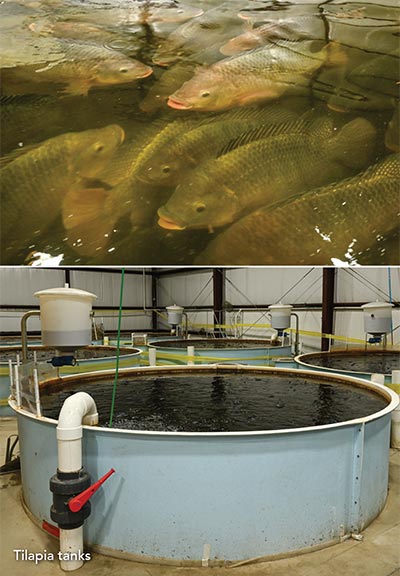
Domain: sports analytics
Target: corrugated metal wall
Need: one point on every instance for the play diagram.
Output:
(244, 287)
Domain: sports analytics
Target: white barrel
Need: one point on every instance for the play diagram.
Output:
(377, 317)
(280, 316)
(65, 315)
(175, 314)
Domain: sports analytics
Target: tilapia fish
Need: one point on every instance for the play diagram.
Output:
(261, 74)
(84, 66)
(392, 134)
(288, 28)
(130, 12)
(36, 186)
(168, 164)
(195, 36)
(340, 222)
(266, 171)
(121, 193)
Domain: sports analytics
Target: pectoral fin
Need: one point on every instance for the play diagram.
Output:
(88, 224)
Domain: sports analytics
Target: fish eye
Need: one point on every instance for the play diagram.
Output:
(166, 169)
(205, 94)
(200, 208)
(98, 147)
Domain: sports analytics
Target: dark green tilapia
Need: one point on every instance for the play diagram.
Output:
(168, 164)
(39, 184)
(267, 171)
(81, 66)
(392, 134)
(335, 224)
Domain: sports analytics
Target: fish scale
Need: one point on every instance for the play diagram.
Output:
(34, 185)
(261, 74)
(82, 65)
(169, 164)
(341, 221)
(264, 172)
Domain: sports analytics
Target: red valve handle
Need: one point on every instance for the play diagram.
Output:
(76, 503)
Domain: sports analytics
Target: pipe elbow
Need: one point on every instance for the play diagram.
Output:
(78, 409)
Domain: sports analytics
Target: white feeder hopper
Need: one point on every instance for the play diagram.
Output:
(175, 314)
(65, 315)
(280, 316)
(377, 317)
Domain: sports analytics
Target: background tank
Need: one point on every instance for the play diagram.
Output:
(219, 350)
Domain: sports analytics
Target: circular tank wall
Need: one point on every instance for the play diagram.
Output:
(353, 362)
(89, 359)
(177, 495)
(219, 350)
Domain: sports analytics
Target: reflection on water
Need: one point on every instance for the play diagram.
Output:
(178, 132)
(204, 403)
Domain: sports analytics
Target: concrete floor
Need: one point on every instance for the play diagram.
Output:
(378, 554)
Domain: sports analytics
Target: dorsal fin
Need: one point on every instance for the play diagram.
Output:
(263, 131)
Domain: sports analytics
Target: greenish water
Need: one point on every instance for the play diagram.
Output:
(373, 363)
(186, 167)
(209, 403)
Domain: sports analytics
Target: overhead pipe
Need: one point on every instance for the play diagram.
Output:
(24, 335)
(71, 479)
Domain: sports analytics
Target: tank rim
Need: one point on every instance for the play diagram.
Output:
(300, 359)
(259, 343)
(390, 396)
(127, 351)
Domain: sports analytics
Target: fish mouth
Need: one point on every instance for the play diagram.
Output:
(168, 223)
(178, 104)
(146, 73)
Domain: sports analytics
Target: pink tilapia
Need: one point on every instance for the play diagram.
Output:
(261, 74)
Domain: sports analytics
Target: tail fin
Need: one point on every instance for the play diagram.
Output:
(354, 145)
(335, 55)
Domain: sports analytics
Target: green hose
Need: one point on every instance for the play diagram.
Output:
(118, 346)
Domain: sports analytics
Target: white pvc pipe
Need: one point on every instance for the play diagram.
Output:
(71, 547)
(395, 435)
(190, 355)
(152, 357)
(78, 409)
(378, 379)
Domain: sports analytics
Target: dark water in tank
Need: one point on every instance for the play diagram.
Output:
(48, 353)
(76, 66)
(221, 403)
(374, 363)
(213, 344)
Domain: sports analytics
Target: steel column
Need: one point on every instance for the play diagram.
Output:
(218, 300)
(328, 295)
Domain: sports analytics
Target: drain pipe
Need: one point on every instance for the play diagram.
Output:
(296, 341)
(24, 335)
(71, 479)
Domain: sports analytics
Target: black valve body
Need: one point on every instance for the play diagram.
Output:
(66, 485)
